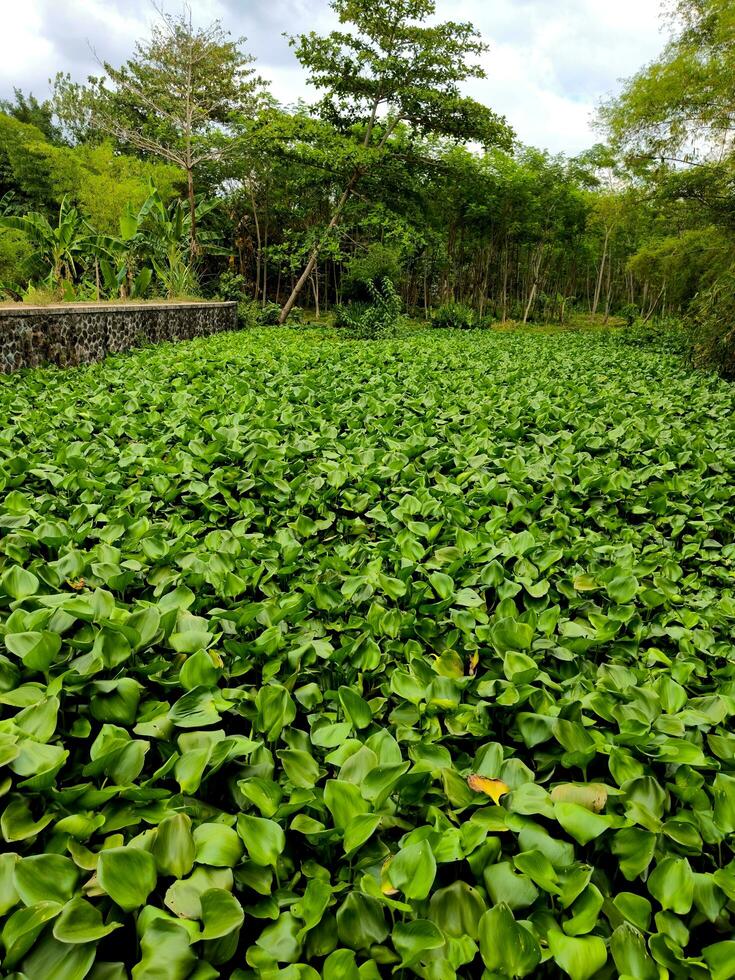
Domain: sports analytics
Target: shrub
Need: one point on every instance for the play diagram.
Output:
(347, 313)
(370, 268)
(231, 286)
(269, 314)
(251, 313)
(375, 320)
(454, 316)
(630, 313)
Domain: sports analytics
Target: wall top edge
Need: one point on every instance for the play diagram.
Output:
(71, 308)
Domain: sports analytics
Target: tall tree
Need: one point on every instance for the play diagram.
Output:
(386, 68)
(27, 109)
(681, 107)
(173, 99)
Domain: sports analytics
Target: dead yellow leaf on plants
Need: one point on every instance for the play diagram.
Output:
(474, 661)
(592, 796)
(494, 788)
(386, 886)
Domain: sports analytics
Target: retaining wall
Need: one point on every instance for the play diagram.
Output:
(73, 334)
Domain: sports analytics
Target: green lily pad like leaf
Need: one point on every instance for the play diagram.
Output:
(45, 878)
(507, 946)
(413, 869)
(414, 940)
(128, 875)
(509, 634)
(81, 922)
(264, 839)
(221, 913)
(580, 959)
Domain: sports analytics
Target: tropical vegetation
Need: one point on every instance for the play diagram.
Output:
(425, 670)
(394, 174)
(398, 641)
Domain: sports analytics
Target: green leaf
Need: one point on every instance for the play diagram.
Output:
(720, 958)
(580, 823)
(360, 922)
(53, 960)
(37, 650)
(457, 910)
(413, 870)
(509, 634)
(413, 940)
(166, 953)
(672, 883)
(507, 946)
(628, 948)
(81, 922)
(281, 940)
(300, 767)
(357, 710)
(264, 839)
(128, 875)
(578, 958)
(22, 929)
(45, 878)
(344, 801)
(174, 849)
(19, 583)
(221, 913)
(623, 588)
(217, 845)
(17, 822)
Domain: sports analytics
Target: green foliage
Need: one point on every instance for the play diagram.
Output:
(389, 57)
(112, 182)
(27, 109)
(454, 316)
(713, 326)
(347, 313)
(376, 320)
(630, 313)
(373, 266)
(58, 247)
(252, 313)
(16, 255)
(268, 315)
(324, 657)
(231, 286)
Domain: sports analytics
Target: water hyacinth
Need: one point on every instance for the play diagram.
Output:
(340, 660)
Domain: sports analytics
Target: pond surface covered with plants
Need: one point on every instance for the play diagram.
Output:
(346, 660)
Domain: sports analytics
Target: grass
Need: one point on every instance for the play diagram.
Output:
(329, 659)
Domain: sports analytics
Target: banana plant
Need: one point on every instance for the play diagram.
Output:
(165, 231)
(61, 246)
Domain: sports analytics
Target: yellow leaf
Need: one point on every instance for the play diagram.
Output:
(386, 885)
(474, 661)
(592, 796)
(494, 788)
(585, 583)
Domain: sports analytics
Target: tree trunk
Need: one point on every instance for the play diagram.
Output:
(314, 257)
(598, 287)
(535, 270)
(259, 252)
(193, 247)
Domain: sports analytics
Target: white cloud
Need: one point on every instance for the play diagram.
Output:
(550, 63)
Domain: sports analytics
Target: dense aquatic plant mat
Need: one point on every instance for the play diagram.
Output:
(347, 660)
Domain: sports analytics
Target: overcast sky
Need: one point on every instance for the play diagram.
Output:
(550, 63)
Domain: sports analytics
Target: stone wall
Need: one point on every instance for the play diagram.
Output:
(78, 333)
